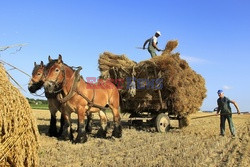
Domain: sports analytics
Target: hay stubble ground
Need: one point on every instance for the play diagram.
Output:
(199, 144)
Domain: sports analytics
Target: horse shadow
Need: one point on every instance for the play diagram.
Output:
(138, 126)
(43, 129)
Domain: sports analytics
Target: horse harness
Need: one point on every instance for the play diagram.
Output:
(74, 89)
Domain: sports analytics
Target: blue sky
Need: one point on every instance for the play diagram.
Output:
(213, 35)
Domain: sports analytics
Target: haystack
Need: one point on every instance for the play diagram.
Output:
(168, 76)
(18, 129)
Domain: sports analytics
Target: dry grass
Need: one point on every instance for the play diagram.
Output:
(18, 129)
(170, 46)
(199, 144)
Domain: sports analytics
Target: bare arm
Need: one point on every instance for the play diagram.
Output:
(155, 46)
(145, 43)
(236, 106)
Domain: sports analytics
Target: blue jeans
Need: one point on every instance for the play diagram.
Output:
(223, 119)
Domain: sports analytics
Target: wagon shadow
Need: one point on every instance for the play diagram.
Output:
(145, 126)
(138, 126)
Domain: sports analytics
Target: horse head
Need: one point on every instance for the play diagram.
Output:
(37, 79)
(55, 75)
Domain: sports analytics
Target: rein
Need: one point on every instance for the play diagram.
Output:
(41, 95)
(74, 89)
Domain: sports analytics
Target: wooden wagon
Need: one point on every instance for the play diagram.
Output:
(142, 97)
(155, 90)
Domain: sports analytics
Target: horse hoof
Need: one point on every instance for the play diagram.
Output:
(59, 134)
(101, 133)
(81, 138)
(64, 138)
(53, 133)
(88, 129)
(117, 132)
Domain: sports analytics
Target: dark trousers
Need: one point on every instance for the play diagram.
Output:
(223, 119)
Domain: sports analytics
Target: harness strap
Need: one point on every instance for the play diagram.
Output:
(72, 89)
(91, 102)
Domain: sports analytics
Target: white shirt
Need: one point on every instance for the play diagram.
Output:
(153, 39)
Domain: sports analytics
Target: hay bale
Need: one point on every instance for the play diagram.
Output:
(183, 90)
(18, 129)
(109, 62)
(170, 46)
(187, 87)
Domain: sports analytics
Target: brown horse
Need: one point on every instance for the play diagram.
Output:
(36, 83)
(81, 97)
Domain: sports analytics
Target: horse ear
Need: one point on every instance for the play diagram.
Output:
(41, 63)
(49, 58)
(60, 58)
(34, 63)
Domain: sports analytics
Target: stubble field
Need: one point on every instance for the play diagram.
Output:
(199, 144)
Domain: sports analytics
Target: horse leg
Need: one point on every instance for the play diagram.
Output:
(52, 126)
(61, 125)
(66, 130)
(88, 127)
(117, 132)
(62, 122)
(81, 136)
(104, 122)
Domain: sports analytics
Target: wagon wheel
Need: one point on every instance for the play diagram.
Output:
(162, 123)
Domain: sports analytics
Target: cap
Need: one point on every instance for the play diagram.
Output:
(158, 32)
(220, 91)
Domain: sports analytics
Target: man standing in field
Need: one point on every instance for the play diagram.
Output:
(152, 46)
(225, 112)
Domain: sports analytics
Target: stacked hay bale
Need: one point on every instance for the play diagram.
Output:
(109, 62)
(115, 67)
(181, 88)
(18, 129)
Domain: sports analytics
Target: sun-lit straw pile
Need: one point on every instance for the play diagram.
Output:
(18, 129)
(109, 62)
(182, 91)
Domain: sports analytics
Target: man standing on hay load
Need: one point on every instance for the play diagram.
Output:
(225, 112)
(152, 46)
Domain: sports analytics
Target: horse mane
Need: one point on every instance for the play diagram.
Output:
(69, 67)
(52, 62)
